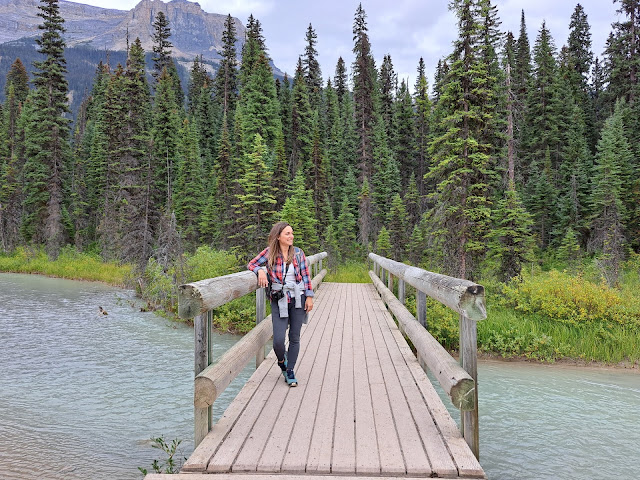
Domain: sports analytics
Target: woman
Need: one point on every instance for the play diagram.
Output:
(291, 288)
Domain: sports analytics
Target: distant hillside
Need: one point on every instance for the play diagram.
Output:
(82, 63)
(96, 34)
(194, 31)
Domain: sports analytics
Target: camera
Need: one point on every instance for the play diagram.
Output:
(275, 295)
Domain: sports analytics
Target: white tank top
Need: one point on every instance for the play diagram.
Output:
(290, 277)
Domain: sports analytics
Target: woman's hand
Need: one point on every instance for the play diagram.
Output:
(308, 304)
(262, 278)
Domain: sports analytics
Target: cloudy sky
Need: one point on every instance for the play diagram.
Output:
(405, 29)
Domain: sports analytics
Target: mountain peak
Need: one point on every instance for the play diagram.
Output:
(193, 31)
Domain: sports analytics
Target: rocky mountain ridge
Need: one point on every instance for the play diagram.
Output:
(193, 31)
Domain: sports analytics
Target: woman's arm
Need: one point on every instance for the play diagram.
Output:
(256, 265)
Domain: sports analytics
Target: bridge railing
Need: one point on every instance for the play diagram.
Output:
(197, 300)
(458, 380)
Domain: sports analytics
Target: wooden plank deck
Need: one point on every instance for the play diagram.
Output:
(363, 407)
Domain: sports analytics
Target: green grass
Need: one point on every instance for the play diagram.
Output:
(512, 334)
(69, 264)
(349, 272)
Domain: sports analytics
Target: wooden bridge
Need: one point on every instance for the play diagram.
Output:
(364, 407)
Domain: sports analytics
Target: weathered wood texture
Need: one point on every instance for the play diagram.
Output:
(463, 296)
(453, 379)
(198, 297)
(363, 407)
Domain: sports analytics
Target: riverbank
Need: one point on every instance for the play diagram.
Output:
(545, 317)
(70, 264)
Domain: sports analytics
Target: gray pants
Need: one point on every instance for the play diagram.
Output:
(294, 322)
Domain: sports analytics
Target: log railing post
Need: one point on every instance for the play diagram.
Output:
(469, 361)
(261, 311)
(401, 292)
(390, 282)
(421, 307)
(202, 416)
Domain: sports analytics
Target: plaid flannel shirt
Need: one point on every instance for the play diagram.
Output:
(277, 273)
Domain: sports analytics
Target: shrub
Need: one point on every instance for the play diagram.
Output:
(572, 300)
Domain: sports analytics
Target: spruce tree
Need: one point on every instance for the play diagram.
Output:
(383, 243)
(258, 107)
(16, 92)
(130, 217)
(404, 135)
(607, 205)
(388, 87)
(225, 88)
(340, 79)
(580, 62)
(463, 163)
(47, 141)
(364, 96)
(311, 68)
(510, 239)
(301, 124)
(255, 202)
(423, 109)
(398, 225)
(299, 211)
(166, 120)
(189, 188)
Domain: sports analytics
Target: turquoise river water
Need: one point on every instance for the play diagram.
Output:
(82, 394)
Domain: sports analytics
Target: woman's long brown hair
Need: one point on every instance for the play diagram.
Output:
(274, 244)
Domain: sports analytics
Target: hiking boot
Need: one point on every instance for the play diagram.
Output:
(291, 378)
(283, 366)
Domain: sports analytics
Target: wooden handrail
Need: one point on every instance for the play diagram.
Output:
(454, 379)
(195, 300)
(199, 297)
(212, 381)
(462, 296)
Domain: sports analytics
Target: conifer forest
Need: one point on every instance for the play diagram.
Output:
(518, 149)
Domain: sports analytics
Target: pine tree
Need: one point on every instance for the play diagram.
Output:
(130, 217)
(397, 221)
(511, 240)
(383, 243)
(225, 88)
(301, 124)
(463, 164)
(161, 44)
(258, 107)
(47, 148)
(198, 79)
(364, 95)
(609, 180)
(422, 126)
(388, 87)
(165, 134)
(299, 211)
(311, 69)
(255, 202)
(189, 188)
(340, 79)
(404, 138)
